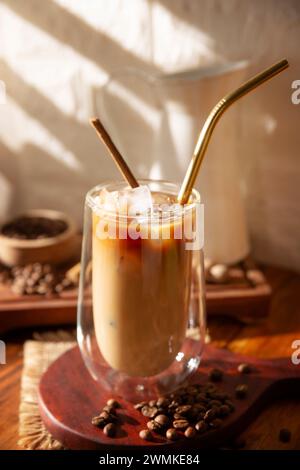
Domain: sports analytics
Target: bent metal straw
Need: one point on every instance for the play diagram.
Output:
(212, 120)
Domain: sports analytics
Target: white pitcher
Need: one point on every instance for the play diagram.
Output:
(155, 120)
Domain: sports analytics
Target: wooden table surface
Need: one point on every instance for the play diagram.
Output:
(269, 338)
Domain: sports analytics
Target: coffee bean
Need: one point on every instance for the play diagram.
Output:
(163, 420)
(99, 421)
(145, 434)
(190, 400)
(41, 290)
(190, 432)
(215, 403)
(285, 435)
(47, 268)
(162, 402)
(17, 289)
(104, 414)
(175, 403)
(230, 405)
(216, 375)
(210, 415)
(192, 390)
(32, 228)
(111, 412)
(180, 423)
(199, 408)
(183, 410)
(110, 430)
(244, 368)
(58, 288)
(201, 398)
(172, 434)
(224, 410)
(201, 426)
(49, 278)
(112, 402)
(139, 406)
(154, 426)
(241, 391)
(149, 411)
(152, 403)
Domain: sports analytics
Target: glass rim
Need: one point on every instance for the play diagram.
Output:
(182, 210)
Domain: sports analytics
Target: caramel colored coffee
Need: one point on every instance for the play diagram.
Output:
(141, 290)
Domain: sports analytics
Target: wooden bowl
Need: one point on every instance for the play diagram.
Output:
(54, 250)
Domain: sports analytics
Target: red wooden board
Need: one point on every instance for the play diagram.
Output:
(69, 397)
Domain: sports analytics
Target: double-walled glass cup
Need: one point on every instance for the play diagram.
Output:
(141, 306)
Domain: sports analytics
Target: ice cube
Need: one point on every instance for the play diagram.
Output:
(135, 201)
(109, 200)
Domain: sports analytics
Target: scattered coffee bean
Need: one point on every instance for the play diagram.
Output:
(241, 391)
(190, 432)
(109, 409)
(163, 420)
(172, 434)
(140, 405)
(180, 424)
(113, 403)
(197, 407)
(154, 426)
(210, 415)
(216, 375)
(149, 411)
(36, 279)
(215, 403)
(224, 410)
(104, 414)
(183, 410)
(162, 402)
(192, 390)
(146, 435)
(230, 405)
(201, 426)
(99, 421)
(244, 368)
(110, 430)
(285, 435)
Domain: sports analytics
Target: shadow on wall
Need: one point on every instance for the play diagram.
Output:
(9, 181)
(71, 30)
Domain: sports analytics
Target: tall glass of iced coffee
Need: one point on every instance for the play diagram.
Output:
(141, 309)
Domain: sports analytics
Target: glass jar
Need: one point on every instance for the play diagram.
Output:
(141, 305)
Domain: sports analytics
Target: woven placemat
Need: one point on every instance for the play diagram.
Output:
(38, 355)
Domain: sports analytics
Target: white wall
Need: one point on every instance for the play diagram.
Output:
(56, 55)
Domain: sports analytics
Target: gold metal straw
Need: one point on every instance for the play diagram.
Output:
(212, 120)
(117, 157)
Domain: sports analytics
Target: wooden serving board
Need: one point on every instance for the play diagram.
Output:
(245, 296)
(69, 397)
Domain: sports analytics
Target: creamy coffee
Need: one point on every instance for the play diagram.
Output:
(141, 291)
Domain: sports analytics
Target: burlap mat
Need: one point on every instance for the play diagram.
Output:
(38, 355)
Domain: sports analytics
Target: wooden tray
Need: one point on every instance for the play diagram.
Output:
(245, 296)
(68, 397)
